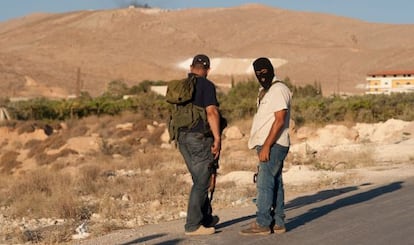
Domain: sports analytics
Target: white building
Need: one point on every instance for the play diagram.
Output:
(387, 82)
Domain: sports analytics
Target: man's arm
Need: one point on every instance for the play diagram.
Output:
(277, 126)
(213, 118)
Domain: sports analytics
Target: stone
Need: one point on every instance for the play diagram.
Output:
(233, 133)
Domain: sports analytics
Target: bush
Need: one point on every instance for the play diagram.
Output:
(362, 108)
(240, 102)
(308, 105)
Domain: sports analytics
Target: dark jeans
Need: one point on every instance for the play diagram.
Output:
(196, 150)
(270, 192)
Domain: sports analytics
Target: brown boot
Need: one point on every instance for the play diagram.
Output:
(279, 229)
(256, 229)
(201, 231)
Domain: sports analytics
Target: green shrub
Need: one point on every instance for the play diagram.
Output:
(308, 104)
(240, 101)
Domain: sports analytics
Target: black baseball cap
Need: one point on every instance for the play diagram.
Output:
(201, 59)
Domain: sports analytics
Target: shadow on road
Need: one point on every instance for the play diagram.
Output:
(170, 242)
(315, 213)
(297, 203)
(144, 239)
(320, 196)
(234, 221)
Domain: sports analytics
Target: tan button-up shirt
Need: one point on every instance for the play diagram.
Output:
(276, 99)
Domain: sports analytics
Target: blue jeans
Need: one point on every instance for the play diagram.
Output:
(196, 150)
(270, 192)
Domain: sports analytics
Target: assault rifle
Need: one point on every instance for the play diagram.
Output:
(215, 164)
(213, 171)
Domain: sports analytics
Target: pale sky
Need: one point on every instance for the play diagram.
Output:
(380, 11)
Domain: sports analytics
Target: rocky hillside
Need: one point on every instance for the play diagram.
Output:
(49, 54)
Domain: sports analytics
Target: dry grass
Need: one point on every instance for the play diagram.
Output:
(88, 179)
(31, 126)
(150, 179)
(43, 194)
(4, 143)
(5, 183)
(345, 160)
(46, 159)
(26, 127)
(155, 177)
(37, 147)
(9, 163)
(54, 234)
(228, 165)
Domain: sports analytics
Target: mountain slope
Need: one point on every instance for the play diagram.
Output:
(135, 45)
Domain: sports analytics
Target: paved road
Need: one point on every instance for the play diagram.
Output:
(366, 214)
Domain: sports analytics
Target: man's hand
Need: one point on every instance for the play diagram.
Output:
(264, 154)
(213, 118)
(216, 148)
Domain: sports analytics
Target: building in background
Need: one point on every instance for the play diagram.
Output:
(387, 82)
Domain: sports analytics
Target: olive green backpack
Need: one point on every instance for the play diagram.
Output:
(183, 113)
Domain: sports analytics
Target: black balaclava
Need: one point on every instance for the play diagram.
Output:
(264, 71)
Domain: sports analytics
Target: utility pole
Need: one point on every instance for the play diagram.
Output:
(79, 84)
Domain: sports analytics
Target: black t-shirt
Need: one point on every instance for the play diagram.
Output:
(205, 95)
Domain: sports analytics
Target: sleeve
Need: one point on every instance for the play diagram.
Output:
(280, 100)
(209, 95)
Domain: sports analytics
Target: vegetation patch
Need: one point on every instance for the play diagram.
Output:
(308, 105)
(9, 163)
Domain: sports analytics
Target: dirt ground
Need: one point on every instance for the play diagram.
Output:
(173, 232)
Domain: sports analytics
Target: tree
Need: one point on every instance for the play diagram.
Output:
(116, 89)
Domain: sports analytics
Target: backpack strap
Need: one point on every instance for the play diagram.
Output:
(263, 92)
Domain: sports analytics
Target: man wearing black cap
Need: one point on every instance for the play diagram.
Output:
(269, 137)
(200, 150)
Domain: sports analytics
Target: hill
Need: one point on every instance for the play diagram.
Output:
(54, 54)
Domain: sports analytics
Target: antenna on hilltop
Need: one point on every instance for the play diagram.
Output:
(132, 4)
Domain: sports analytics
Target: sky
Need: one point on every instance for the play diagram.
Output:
(379, 11)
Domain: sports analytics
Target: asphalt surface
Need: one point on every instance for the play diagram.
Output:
(365, 214)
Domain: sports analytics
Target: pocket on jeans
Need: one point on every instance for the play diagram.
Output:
(200, 151)
(198, 136)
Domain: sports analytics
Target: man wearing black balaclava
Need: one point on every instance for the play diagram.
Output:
(264, 72)
(269, 136)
